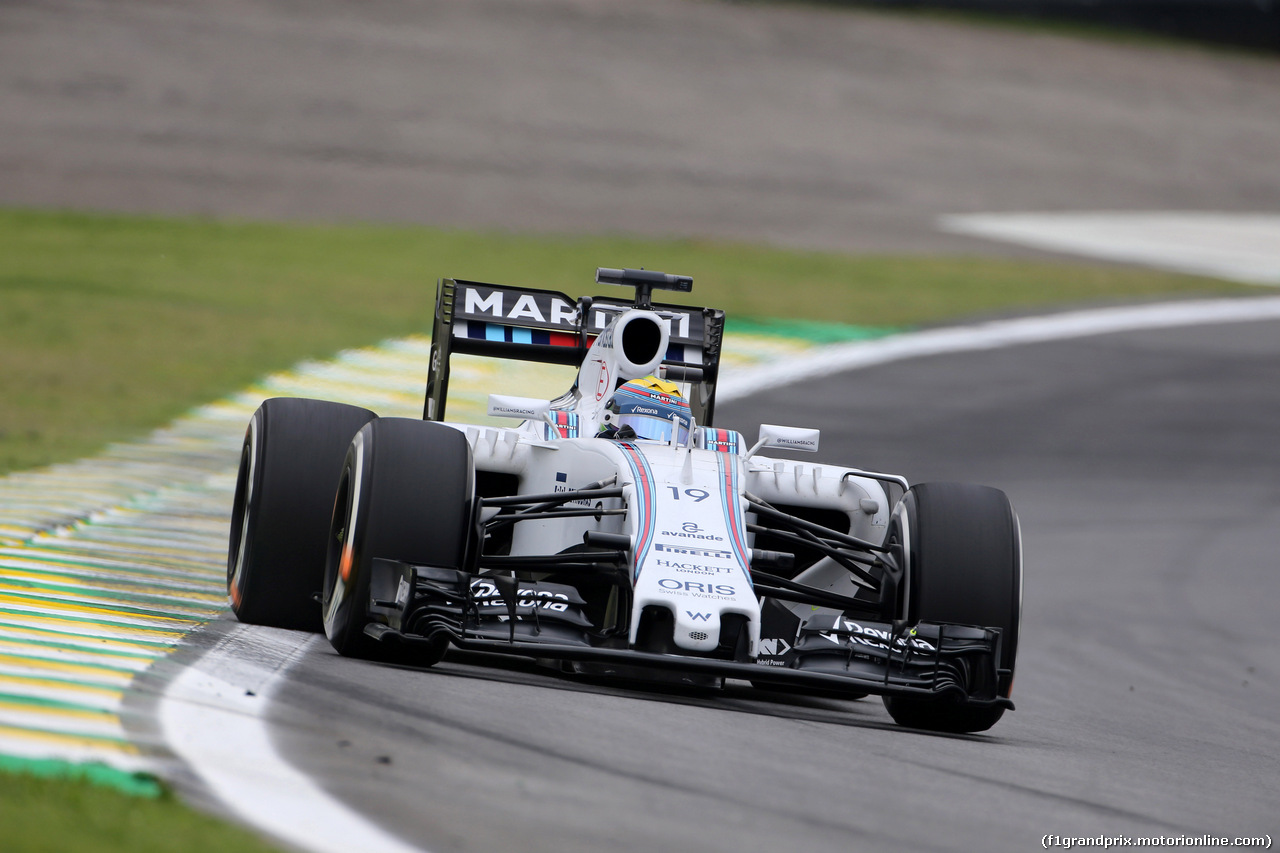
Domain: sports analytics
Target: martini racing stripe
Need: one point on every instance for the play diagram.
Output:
(720, 440)
(644, 494)
(500, 333)
(566, 425)
(513, 334)
(734, 521)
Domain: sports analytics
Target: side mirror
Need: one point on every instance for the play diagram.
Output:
(524, 408)
(786, 438)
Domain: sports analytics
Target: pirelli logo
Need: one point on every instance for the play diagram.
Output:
(693, 551)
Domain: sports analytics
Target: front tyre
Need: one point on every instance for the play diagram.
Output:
(962, 550)
(289, 467)
(405, 493)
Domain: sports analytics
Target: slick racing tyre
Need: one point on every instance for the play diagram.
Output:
(289, 468)
(405, 493)
(963, 555)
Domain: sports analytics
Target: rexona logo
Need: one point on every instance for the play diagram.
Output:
(698, 588)
(487, 595)
(692, 551)
(876, 638)
(695, 568)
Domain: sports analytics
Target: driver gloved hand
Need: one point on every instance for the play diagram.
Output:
(625, 433)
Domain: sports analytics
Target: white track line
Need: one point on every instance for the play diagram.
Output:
(221, 733)
(995, 335)
(218, 727)
(1236, 246)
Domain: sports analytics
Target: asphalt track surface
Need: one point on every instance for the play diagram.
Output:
(1146, 471)
(787, 123)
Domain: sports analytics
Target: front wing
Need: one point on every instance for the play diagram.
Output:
(413, 604)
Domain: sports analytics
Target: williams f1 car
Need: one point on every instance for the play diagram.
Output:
(615, 531)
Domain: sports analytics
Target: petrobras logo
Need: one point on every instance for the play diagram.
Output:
(692, 551)
(584, 502)
(694, 568)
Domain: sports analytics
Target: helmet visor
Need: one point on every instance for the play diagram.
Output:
(653, 428)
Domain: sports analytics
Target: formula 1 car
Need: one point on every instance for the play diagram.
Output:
(630, 540)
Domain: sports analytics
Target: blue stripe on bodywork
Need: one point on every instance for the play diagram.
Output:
(644, 493)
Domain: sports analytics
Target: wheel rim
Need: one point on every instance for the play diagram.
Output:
(240, 510)
(340, 553)
(339, 543)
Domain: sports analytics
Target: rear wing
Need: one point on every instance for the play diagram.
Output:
(501, 321)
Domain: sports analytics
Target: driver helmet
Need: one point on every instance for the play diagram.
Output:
(647, 408)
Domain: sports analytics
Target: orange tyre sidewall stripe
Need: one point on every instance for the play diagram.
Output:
(344, 565)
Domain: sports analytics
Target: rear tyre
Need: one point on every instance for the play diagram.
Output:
(962, 550)
(405, 493)
(289, 467)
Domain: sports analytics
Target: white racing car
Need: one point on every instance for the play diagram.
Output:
(615, 531)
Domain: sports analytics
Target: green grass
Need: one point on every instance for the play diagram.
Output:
(112, 325)
(60, 815)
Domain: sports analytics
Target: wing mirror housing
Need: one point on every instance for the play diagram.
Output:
(522, 408)
(786, 438)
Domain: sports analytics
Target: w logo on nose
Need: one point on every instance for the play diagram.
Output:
(698, 617)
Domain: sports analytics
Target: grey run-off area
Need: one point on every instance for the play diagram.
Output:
(793, 124)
